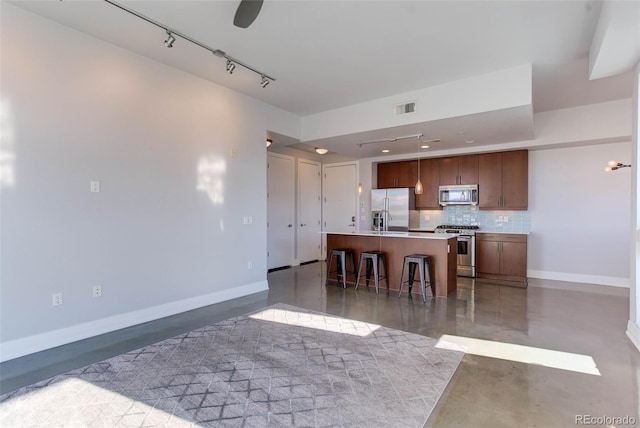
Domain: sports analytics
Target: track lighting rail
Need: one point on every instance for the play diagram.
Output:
(390, 140)
(217, 52)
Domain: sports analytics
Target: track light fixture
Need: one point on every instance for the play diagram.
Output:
(391, 140)
(612, 165)
(171, 38)
(230, 66)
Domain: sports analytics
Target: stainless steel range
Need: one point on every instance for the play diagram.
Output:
(466, 247)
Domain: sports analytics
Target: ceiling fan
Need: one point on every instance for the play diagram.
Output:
(247, 12)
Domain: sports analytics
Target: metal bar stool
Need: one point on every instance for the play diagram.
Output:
(372, 259)
(423, 262)
(341, 265)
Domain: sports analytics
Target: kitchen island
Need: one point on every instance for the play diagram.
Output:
(442, 247)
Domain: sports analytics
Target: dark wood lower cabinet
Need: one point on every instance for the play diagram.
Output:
(502, 257)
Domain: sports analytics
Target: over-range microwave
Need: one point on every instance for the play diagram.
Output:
(458, 194)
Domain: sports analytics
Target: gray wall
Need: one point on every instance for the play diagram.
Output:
(181, 161)
(580, 215)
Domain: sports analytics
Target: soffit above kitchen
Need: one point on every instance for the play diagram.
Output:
(327, 55)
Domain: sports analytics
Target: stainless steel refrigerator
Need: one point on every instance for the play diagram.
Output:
(394, 209)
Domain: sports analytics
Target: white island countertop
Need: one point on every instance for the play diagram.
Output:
(416, 235)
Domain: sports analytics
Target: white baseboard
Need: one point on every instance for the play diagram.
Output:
(39, 342)
(611, 281)
(633, 333)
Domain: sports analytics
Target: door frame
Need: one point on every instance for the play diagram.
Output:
(293, 205)
(299, 201)
(357, 201)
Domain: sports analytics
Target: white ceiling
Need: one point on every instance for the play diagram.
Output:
(329, 54)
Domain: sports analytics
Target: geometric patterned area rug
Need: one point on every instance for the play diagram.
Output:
(281, 366)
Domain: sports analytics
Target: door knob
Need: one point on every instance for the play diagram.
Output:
(290, 225)
(302, 225)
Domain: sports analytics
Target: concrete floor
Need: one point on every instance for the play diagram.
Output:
(485, 392)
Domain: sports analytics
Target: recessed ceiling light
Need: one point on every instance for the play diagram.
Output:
(385, 151)
(424, 147)
(470, 141)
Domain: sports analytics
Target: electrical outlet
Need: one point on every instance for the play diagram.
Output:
(97, 291)
(506, 219)
(247, 220)
(57, 299)
(500, 218)
(95, 187)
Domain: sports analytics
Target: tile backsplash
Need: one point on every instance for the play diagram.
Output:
(495, 221)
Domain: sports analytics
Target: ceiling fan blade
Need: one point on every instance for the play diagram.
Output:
(247, 12)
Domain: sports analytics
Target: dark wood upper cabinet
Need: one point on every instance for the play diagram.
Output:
(459, 170)
(515, 180)
(386, 175)
(468, 169)
(503, 180)
(430, 178)
(490, 180)
(397, 174)
(448, 171)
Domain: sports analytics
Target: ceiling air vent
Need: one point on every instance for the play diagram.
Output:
(405, 108)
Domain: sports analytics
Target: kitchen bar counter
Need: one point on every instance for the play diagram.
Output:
(502, 232)
(392, 234)
(442, 247)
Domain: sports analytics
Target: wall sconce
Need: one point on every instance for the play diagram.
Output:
(269, 142)
(612, 165)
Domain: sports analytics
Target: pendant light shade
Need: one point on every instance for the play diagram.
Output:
(359, 160)
(419, 187)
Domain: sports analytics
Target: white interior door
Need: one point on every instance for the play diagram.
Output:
(309, 210)
(280, 210)
(340, 197)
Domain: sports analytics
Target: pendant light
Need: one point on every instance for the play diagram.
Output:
(418, 188)
(359, 159)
